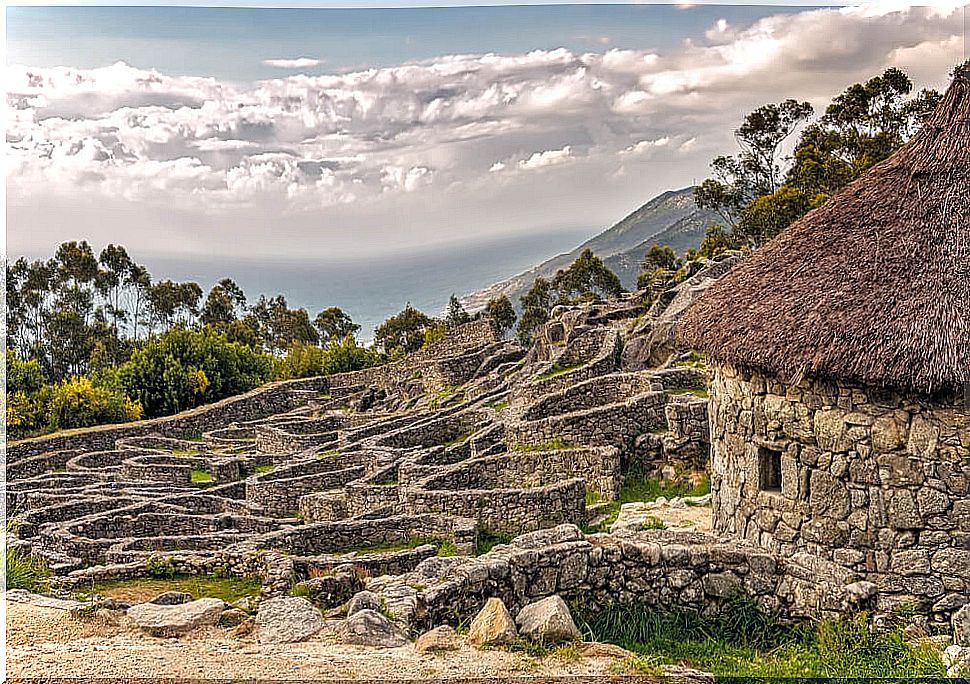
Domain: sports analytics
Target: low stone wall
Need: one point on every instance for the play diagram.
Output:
(616, 424)
(286, 438)
(658, 568)
(273, 398)
(599, 391)
(279, 491)
(873, 481)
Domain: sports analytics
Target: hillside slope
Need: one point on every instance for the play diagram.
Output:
(671, 219)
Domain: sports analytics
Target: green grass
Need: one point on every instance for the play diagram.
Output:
(460, 438)
(487, 540)
(23, 571)
(498, 405)
(637, 486)
(748, 641)
(551, 445)
(328, 452)
(446, 393)
(593, 497)
(201, 475)
(228, 589)
(193, 438)
(676, 391)
(263, 468)
(696, 360)
(557, 369)
(185, 452)
(652, 523)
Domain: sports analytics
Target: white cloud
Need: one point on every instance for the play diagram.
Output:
(368, 147)
(540, 160)
(298, 63)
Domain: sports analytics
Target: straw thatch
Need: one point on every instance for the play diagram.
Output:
(874, 286)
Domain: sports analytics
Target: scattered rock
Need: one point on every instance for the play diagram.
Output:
(367, 627)
(287, 620)
(233, 617)
(172, 598)
(441, 638)
(23, 596)
(249, 604)
(595, 649)
(244, 628)
(547, 621)
(961, 626)
(956, 660)
(493, 625)
(680, 673)
(363, 600)
(162, 620)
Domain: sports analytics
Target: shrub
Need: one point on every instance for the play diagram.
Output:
(78, 402)
(23, 571)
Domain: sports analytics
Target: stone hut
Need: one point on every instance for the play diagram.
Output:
(840, 357)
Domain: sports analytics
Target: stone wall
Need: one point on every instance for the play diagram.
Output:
(658, 568)
(874, 481)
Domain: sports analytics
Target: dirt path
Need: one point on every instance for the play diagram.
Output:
(46, 642)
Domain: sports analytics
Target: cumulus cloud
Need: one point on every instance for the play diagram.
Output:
(481, 135)
(298, 63)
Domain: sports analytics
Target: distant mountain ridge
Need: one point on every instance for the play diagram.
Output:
(672, 218)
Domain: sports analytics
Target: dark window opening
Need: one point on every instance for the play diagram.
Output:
(769, 470)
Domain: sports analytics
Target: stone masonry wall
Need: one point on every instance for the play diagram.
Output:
(873, 481)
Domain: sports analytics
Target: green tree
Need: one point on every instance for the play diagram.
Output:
(536, 305)
(404, 331)
(456, 315)
(502, 313)
(586, 279)
(164, 372)
(223, 304)
(334, 325)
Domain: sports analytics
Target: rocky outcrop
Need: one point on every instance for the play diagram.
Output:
(443, 638)
(367, 627)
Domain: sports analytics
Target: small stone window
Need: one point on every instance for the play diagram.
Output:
(769, 469)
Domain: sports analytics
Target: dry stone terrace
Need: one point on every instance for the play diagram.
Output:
(394, 478)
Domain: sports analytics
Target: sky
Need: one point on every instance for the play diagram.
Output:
(316, 135)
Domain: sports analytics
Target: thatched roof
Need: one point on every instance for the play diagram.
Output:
(873, 287)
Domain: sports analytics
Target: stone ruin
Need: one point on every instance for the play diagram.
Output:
(359, 480)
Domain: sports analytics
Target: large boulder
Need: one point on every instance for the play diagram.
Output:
(287, 620)
(492, 626)
(369, 628)
(547, 621)
(171, 620)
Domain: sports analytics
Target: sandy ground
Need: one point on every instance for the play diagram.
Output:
(45, 642)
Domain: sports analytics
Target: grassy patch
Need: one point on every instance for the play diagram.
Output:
(228, 589)
(551, 445)
(23, 571)
(201, 475)
(652, 523)
(498, 405)
(185, 452)
(696, 391)
(696, 360)
(748, 641)
(459, 439)
(557, 369)
(487, 540)
(637, 486)
(263, 468)
(193, 438)
(593, 497)
(446, 393)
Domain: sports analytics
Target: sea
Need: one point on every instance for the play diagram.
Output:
(371, 290)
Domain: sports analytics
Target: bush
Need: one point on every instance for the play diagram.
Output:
(304, 360)
(182, 369)
(78, 402)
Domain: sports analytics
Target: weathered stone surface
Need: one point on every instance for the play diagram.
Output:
(363, 600)
(961, 626)
(441, 638)
(172, 598)
(860, 592)
(547, 621)
(493, 625)
(24, 596)
(233, 617)
(367, 627)
(956, 660)
(287, 620)
(176, 619)
(596, 649)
